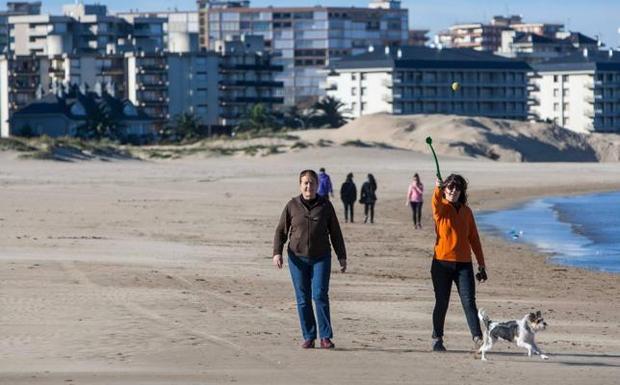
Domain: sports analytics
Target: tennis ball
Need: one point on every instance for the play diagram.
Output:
(455, 86)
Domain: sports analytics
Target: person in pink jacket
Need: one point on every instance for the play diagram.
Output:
(415, 200)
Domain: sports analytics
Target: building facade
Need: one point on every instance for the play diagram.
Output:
(305, 39)
(14, 9)
(579, 92)
(410, 80)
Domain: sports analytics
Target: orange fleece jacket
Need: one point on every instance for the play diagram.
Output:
(457, 234)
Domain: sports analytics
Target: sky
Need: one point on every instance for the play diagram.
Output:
(591, 17)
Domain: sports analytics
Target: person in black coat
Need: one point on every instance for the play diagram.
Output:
(369, 197)
(348, 194)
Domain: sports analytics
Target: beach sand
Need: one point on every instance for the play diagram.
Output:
(135, 272)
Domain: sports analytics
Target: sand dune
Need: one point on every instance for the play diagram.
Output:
(497, 139)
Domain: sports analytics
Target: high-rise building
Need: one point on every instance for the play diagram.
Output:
(306, 39)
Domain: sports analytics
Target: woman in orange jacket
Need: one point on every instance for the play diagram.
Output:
(457, 237)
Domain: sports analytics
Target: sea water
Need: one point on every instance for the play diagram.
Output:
(582, 231)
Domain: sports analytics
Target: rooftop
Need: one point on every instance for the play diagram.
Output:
(425, 57)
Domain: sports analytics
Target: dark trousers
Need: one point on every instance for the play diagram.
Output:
(443, 274)
(310, 278)
(348, 208)
(416, 208)
(369, 208)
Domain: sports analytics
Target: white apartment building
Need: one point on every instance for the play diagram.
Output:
(410, 80)
(306, 39)
(579, 92)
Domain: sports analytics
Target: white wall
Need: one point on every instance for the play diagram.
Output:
(4, 98)
(362, 88)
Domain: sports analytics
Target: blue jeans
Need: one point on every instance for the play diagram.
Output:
(311, 282)
(443, 274)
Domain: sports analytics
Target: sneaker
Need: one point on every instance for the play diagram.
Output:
(326, 343)
(308, 344)
(438, 345)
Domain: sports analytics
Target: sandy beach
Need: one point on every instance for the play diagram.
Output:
(159, 272)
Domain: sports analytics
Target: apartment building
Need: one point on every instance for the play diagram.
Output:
(27, 78)
(535, 48)
(247, 77)
(305, 39)
(14, 9)
(488, 37)
(85, 29)
(580, 92)
(410, 80)
(180, 28)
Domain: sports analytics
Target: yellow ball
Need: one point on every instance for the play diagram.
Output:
(455, 86)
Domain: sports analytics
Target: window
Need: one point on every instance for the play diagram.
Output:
(353, 77)
(565, 106)
(363, 106)
(564, 78)
(363, 91)
(353, 91)
(556, 78)
(556, 106)
(353, 106)
(556, 92)
(363, 76)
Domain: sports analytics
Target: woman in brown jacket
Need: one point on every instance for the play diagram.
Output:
(309, 222)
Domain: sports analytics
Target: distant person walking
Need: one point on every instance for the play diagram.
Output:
(457, 236)
(325, 184)
(348, 194)
(368, 198)
(309, 222)
(415, 199)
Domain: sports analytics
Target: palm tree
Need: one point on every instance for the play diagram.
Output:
(257, 118)
(329, 109)
(187, 125)
(294, 117)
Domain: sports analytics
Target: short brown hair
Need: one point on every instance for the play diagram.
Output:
(309, 173)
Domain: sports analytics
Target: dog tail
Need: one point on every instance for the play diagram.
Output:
(484, 318)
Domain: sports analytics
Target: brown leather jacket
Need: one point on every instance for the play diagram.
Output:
(309, 230)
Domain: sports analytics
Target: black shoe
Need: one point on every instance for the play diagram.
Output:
(438, 345)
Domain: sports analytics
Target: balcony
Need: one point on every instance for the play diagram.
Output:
(533, 100)
(224, 67)
(224, 84)
(390, 82)
(252, 99)
(533, 87)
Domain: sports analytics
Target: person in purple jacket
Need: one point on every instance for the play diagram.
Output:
(325, 185)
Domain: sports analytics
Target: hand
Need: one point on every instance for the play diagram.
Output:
(439, 183)
(481, 276)
(343, 265)
(277, 261)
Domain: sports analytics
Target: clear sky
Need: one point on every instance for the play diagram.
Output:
(592, 17)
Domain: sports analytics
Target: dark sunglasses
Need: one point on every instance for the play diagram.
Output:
(453, 186)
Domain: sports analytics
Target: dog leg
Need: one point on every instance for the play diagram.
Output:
(537, 351)
(525, 345)
(488, 344)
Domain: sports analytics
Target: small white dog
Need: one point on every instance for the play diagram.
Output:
(520, 331)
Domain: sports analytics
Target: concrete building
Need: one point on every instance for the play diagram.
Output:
(410, 80)
(305, 39)
(180, 28)
(580, 92)
(535, 48)
(247, 77)
(27, 78)
(488, 37)
(418, 37)
(85, 29)
(14, 9)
